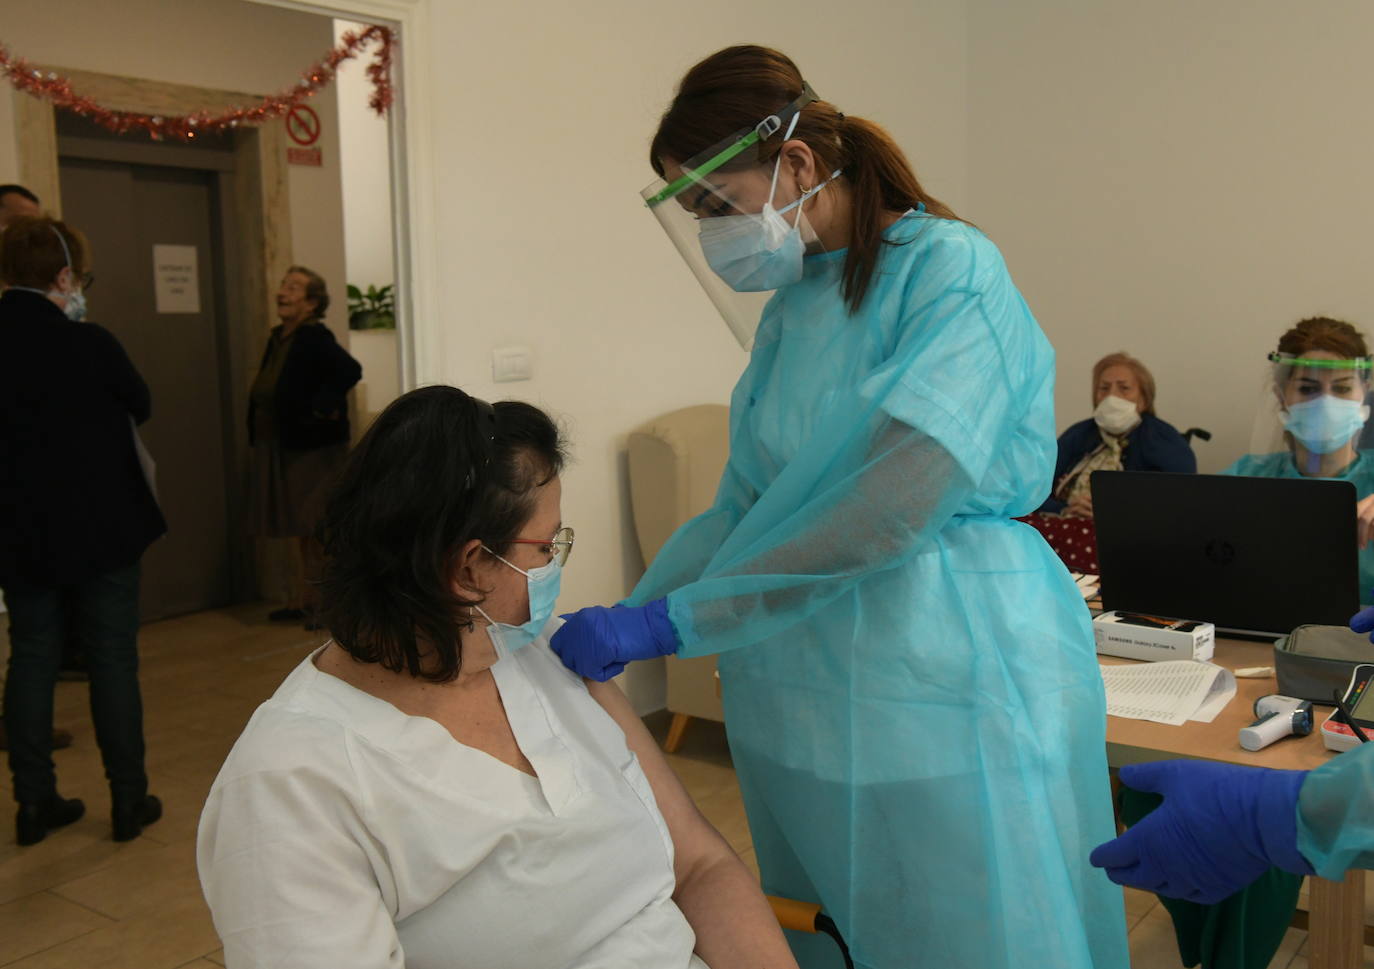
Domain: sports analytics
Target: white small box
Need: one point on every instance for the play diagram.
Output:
(1136, 635)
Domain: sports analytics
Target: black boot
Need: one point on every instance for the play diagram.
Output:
(131, 817)
(33, 821)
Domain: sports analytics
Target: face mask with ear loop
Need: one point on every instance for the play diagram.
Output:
(73, 302)
(754, 253)
(543, 585)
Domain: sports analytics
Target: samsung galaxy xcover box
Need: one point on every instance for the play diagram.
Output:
(1259, 556)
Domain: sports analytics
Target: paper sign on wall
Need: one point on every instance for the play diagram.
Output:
(175, 279)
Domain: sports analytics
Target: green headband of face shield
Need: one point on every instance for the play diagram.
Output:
(1288, 360)
(731, 147)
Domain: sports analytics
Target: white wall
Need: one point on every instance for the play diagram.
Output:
(220, 44)
(545, 111)
(1182, 180)
(365, 168)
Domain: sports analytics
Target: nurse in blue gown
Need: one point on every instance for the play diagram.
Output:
(910, 686)
(1316, 426)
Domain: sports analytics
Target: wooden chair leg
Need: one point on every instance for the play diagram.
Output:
(675, 732)
(1336, 922)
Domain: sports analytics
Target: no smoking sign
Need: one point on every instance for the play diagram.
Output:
(303, 127)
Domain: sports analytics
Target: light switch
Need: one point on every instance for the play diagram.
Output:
(510, 364)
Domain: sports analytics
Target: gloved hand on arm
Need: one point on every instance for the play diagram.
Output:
(597, 642)
(1220, 827)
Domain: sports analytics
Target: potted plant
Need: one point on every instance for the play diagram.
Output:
(373, 309)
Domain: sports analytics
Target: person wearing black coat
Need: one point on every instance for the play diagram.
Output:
(1123, 434)
(76, 513)
(298, 427)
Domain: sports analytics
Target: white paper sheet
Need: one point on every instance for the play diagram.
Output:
(176, 279)
(1223, 692)
(1171, 692)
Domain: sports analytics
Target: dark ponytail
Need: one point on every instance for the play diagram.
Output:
(881, 181)
(738, 87)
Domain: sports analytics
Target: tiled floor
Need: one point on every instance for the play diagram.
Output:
(80, 901)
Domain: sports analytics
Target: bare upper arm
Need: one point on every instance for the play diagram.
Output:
(695, 841)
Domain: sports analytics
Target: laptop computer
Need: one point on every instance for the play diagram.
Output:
(1255, 556)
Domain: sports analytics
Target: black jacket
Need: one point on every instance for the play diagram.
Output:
(311, 409)
(1152, 445)
(73, 499)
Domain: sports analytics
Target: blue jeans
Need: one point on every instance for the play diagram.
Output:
(101, 614)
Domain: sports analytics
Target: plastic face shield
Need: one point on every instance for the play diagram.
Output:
(1315, 406)
(730, 178)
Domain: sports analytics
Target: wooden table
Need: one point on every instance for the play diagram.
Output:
(1336, 920)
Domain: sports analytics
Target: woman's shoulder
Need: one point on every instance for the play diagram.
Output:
(941, 242)
(1084, 428)
(315, 332)
(309, 722)
(1278, 464)
(1160, 430)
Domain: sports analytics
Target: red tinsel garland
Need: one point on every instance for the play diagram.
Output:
(52, 87)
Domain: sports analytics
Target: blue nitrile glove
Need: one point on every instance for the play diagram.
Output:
(597, 642)
(1220, 827)
(1363, 621)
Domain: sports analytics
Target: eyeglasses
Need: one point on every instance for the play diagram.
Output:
(558, 549)
(87, 280)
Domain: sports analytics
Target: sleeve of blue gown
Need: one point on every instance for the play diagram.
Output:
(685, 555)
(889, 461)
(1336, 814)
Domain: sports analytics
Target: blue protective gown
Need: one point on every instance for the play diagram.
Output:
(910, 685)
(1359, 472)
(1336, 814)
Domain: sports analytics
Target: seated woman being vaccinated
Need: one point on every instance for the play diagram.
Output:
(1314, 409)
(432, 788)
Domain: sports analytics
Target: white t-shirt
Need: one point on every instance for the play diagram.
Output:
(343, 833)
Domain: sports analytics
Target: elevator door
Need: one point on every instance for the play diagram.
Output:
(125, 210)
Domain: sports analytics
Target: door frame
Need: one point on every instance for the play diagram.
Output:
(259, 186)
(254, 235)
(421, 316)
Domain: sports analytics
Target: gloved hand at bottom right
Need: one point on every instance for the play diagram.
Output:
(1220, 827)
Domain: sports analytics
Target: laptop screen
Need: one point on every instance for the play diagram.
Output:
(1256, 555)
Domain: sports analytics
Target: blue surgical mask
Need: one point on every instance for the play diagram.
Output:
(543, 585)
(757, 253)
(1326, 424)
(73, 303)
(75, 307)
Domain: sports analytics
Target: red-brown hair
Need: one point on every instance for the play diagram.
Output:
(738, 87)
(1324, 333)
(1143, 378)
(31, 253)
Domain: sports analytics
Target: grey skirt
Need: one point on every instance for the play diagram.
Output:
(289, 488)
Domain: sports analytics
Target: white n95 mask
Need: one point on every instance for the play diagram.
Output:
(756, 253)
(1116, 415)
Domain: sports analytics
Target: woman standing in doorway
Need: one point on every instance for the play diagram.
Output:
(298, 428)
(910, 685)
